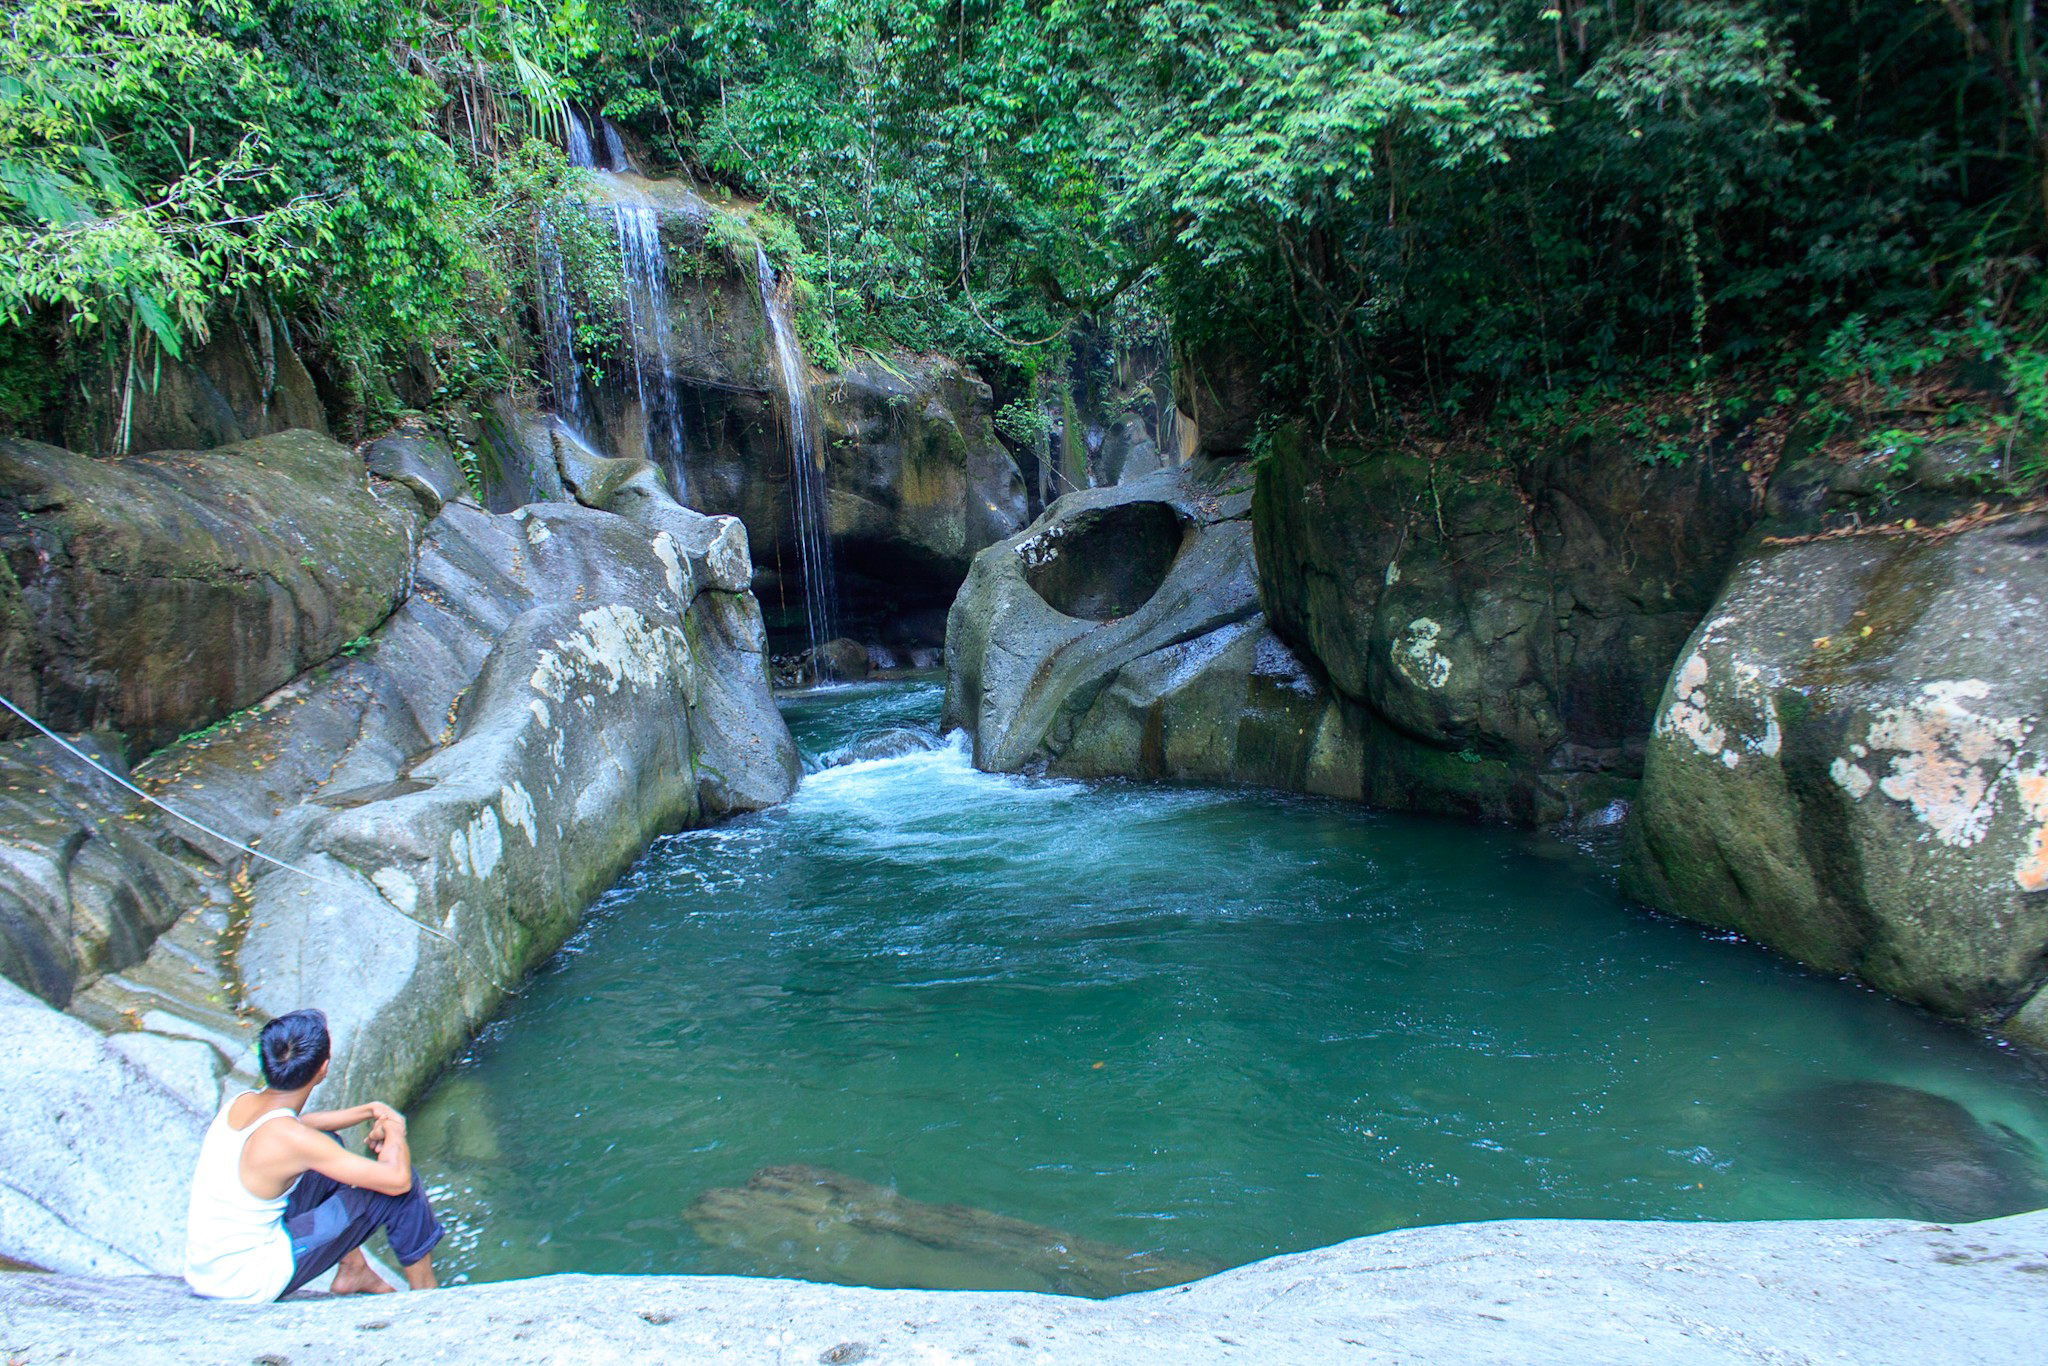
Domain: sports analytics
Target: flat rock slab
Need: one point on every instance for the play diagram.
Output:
(1520, 1291)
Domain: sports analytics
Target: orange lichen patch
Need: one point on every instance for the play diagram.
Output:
(1948, 758)
(2032, 870)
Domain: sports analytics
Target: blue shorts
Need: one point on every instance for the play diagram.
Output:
(327, 1221)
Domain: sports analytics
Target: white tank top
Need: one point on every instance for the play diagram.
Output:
(235, 1244)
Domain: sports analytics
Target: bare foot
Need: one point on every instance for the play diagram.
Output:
(360, 1279)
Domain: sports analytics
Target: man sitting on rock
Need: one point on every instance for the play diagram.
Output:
(277, 1200)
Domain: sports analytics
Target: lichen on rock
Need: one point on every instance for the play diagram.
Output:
(1849, 766)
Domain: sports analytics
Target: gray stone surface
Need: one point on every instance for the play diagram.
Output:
(421, 465)
(1534, 1291)
(1121, 635)
(557, 687)
(1851, 764)
(156, 593)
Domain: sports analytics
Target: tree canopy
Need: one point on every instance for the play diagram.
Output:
(1393, 210)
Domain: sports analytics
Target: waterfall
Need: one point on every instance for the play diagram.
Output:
(806, 464)
(644, 289)
(614, 147)
(578, 139)
(647, 323)
(558, 330)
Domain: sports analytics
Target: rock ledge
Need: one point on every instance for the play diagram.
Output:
(1522, 1291)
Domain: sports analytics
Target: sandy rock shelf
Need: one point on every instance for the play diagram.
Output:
(1521, 1291)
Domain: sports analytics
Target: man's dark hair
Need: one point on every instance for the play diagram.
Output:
(293, 1048)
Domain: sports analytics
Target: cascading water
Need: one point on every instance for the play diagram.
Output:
(614, 147)
(644, 289)
(646, 293)
(806, 464)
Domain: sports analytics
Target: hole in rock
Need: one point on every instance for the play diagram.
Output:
(1109, 563)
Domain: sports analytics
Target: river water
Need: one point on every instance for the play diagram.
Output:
(1205, 1025)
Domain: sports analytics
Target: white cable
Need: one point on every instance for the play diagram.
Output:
(232, 843)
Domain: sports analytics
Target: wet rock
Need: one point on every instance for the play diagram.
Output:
(1902, 1145)
(1121, 634)
(1850, 764)
(422, 466)
(893, 743)
(822, 1224)
(842, 661)
(1504, 632)
(519, 464)
(918, 480)
(154, 594)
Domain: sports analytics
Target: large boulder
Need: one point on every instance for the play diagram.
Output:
(1120, 634)
(1851, 764)
(154, 594)
(557, 687)
(1505, 632)
(917, 483)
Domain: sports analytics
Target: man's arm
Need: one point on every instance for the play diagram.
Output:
(390, 1173)
(330, 1121)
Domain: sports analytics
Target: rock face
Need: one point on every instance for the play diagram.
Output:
(1851, 764)
(1121, 634)
(556, 687)
(1504, 634)
(154, 594)
(918, 484)
(84, 890)
(245, 382)
(917, 480)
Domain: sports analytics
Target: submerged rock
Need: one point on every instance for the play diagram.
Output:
(1901, 1145)
(894, 743)
(1121, 634)
(1851, 764)
(818, 1223)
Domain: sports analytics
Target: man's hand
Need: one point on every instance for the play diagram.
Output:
(380, 1112)
(390, 1124)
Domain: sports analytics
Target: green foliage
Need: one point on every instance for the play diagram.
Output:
(1428, 212)
(135, 188)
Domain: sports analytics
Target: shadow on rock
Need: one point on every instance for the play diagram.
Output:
(1909, 1150)
(824, 1225)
